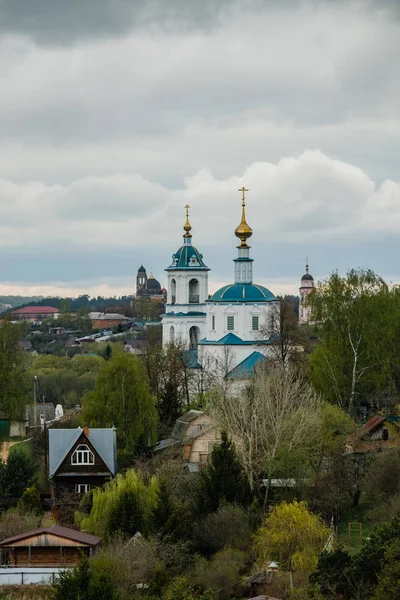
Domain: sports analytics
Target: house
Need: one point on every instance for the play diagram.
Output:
(52, 546)
(81, 459)
(196, 433)
(25, 345)
(102, 320)
(135, 346)
(35, 313)
(380, 432)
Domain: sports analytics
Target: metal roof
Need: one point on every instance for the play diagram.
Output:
(243, 292)
(246, 368)
(62, 440)
(62, 532)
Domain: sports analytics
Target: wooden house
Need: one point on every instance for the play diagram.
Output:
(379, 433)
(52, 546)
(197, 434)
(81, 459)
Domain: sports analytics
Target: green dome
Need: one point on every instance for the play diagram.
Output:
(187, 257)
(242, 292)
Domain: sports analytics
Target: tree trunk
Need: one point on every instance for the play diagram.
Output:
(291, 580)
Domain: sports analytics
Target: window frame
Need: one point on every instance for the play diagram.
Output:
(78, 487)
(79, 455)
(253, 317)
(213, 322)
(230, 320)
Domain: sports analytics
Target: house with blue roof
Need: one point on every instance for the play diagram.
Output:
(231, 325)
(81, 459)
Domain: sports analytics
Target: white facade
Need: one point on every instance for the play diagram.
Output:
(306, 287)
(184, 321)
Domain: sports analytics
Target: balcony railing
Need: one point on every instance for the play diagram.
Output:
(194, 299)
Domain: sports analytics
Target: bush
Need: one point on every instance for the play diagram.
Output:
(30, 502)
(228, 526)
(222, 574)
(13, 523)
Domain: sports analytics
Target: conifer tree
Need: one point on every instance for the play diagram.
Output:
(223, 479)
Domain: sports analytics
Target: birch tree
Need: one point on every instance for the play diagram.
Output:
(277, 411)
(354, 316)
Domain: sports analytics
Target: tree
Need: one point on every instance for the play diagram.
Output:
(15, 476)
(388, 587)
(354, 359)
(282, 328)
(293, 533)
(122, 398)
(13, 372)
(223, 479)
(123, 505)
(278, 411)
(333, 574)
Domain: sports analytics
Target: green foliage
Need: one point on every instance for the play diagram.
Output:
(354, 361)
(13, 372)
(30, 502)
(108, 352)
(293, 533)
(181, 589)
(122, 399)
(15, 477)
(221, 574)
(123, 505)
(333, 574)
(12, 522)
(371, 559)
(223, 479)
(388, 587)
(84, 583)
(227, 527)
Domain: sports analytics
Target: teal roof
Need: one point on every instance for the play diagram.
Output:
(191, 313)
(246, 368)
(242, 292)
(230, 339)
(187, 257)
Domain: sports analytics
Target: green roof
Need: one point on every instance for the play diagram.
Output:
(246, 368)
(242, 292)
(187, 257)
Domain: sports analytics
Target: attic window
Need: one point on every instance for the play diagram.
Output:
(82, 456)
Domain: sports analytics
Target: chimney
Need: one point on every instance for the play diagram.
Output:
(86, 430)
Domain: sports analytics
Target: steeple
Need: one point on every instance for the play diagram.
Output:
(187, 227)
(243, 263)
(243, 231)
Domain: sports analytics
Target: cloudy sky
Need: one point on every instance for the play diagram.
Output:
(116, 113)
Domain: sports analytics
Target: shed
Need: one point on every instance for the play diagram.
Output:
(53, 546)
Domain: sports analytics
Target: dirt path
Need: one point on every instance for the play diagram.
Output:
(5, 450)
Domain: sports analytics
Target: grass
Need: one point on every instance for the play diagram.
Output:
(26, 592)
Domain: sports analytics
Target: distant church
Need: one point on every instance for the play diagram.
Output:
(306, 287)
(231, 322)
(148, 287)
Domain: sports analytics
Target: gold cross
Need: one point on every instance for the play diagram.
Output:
(187, 210)
(243, 190)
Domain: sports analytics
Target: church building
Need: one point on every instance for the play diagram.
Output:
(229, 327)
(306, 287)
(148, 287)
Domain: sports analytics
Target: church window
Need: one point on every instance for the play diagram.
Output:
(82, 456)
(172, 334)
(194, 291)
(173, 291)
(255, 323)
(230, 323)
(213, 322)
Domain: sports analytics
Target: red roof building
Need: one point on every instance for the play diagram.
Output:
(34, 313)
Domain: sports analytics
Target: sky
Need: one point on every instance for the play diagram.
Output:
(114, 114)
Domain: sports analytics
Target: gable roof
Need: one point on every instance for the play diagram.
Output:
(62, 440)
(246, 368)
(58, 531)
(367, 427)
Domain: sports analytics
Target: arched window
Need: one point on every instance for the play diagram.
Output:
(172, 334)
(82, 456)
(173, 291)
(194, 291)
(194, 333)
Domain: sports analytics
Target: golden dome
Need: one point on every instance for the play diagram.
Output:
(187, 227)
(243, 231)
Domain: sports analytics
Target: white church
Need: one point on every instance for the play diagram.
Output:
(231, 322)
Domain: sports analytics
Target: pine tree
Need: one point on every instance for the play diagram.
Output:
(223, 479)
